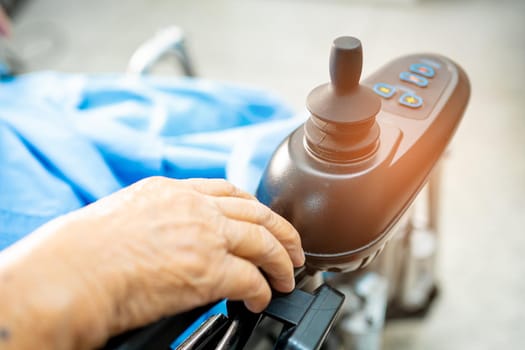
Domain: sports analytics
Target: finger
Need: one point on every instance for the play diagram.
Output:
(254, 243)
(217, 187)
(257, 213)
(244, 281)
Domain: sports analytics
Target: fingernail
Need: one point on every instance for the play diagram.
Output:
(291, 284)
(253, 307)
(299, 258)
(285, 285)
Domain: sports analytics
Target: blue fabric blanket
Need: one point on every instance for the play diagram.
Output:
(67, 140)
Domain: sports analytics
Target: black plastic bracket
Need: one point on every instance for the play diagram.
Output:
(309, 317)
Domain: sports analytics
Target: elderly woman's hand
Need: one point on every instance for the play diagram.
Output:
(156, 248)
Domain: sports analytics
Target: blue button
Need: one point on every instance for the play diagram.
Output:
(384, 90)
(411, 100)
(414, 79)
(423, 69)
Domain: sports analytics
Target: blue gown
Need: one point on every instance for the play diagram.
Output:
(67, 140)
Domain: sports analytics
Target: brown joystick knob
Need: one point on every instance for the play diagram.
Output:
(346, 62)
(342, 127)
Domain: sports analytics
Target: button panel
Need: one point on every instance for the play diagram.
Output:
(410, 86)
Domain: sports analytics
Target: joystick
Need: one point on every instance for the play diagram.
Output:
(346, 176)
(343, 126)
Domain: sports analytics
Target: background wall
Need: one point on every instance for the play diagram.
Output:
(284, 46)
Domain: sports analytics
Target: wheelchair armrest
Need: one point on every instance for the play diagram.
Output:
(170, 40)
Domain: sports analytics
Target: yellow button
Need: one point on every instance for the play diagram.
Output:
(410, 100)
(384, 90)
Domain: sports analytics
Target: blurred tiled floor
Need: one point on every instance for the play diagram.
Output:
(283, 46)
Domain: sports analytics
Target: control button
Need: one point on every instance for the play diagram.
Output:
(414, 79)
(423, 69)
(411, 100)
(384, 90)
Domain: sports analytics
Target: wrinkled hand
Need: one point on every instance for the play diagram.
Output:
(179, 244)
(160, 247)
